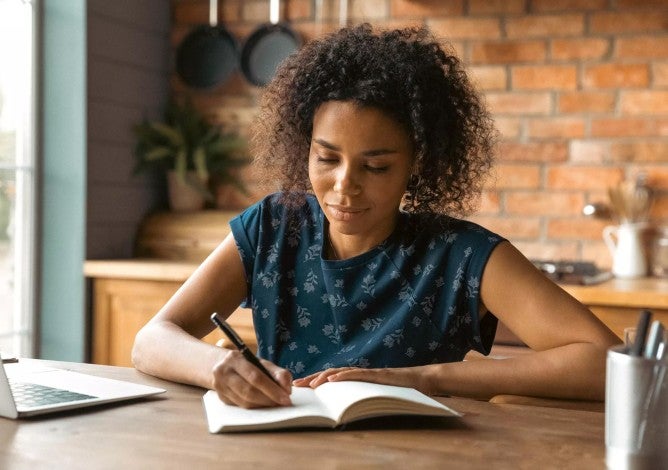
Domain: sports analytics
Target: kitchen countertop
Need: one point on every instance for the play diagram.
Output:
(648, 292)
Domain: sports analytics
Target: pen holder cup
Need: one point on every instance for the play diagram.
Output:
(636, 412)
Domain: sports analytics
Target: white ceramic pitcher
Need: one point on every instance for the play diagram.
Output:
(625, 243)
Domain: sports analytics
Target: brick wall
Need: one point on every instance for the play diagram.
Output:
(578, 88)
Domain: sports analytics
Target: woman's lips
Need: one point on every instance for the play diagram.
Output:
(344, 213)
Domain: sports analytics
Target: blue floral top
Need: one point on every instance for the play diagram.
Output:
(412, 300)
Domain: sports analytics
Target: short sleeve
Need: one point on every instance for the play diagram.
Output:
(246, 228)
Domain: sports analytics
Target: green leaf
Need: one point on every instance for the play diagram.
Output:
(170, 133)
(181, 166)
(199, 162)
(158, 153)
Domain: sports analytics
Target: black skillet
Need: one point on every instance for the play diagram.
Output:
(208, 55)
(267, 47)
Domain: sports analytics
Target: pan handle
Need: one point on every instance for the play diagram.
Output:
(274, 11)
(213, 13)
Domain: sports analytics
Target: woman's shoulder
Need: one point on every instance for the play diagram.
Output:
(272, 217)
(448, 229)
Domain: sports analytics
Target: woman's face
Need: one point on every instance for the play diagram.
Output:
(359, 165)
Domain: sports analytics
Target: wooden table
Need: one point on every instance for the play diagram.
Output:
(170, 432)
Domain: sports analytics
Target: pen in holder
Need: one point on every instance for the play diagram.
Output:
(636, 411)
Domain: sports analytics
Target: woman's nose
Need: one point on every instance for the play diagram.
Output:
(346, 181)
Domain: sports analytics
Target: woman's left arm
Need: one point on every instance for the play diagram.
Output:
(569, 343)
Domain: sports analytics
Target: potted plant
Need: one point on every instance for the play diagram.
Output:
(190, 150)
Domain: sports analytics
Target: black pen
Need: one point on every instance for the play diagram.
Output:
(641, 332)
(241, 346)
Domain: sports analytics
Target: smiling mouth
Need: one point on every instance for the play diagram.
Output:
(344, 213)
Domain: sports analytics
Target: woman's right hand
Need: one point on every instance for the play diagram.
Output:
(238, 382)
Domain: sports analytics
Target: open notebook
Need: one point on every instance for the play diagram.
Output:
(27, 389)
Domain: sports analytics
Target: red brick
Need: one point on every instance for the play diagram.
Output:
(466, 28)
(178, 34)
(543, 6)
(657, 176)
(426, 8)
(628, 22)
(616, 76)
(659, 210)
(640, 151)
(310, 30)
(580, 48)
(549, 250)
(553, 152)
(542, 203)
(491, 7)
(368, 10)
(600, 196)
(546, 26)
(588, 152)
(510, 227)
(298, 10)
(556, 127)
(598, 252)
(508, 52)
(509, 128)
(644, 102)
(519, 103)
(255, 12)
(575, 229)
(625, 127)
(637, 4)
(489, 77)
(583, 177)
(544, 77)
(406, 23)
(489, 203)
(190, 13)
(637, 47)
(586, 102)
(514, 176)
(660, 74)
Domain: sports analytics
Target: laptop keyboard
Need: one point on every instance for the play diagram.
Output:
(29, 395)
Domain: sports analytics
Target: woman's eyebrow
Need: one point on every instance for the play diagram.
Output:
(366, 153)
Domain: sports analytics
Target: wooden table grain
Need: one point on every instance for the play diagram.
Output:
(169, 432)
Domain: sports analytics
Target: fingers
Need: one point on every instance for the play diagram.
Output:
(282, 376)
(238, 382)
(404, 377)
(331, 375)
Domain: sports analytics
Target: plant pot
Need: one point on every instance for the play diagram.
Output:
(185, 197)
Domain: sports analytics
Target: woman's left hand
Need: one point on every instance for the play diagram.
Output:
(403, 377)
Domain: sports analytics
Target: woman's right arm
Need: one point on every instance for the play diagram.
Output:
(169, 345)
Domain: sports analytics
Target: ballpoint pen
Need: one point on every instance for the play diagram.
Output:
(638, 346)
(240, 345)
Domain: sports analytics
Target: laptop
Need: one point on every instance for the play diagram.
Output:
(28, 389)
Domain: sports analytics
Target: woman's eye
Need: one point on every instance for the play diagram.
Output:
(326, 160)
(377, 169)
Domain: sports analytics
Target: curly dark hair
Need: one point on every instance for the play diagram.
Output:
(407, 74)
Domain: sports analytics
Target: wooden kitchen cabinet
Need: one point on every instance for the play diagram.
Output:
(126, 294)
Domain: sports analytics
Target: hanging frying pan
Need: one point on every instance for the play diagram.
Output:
(208, 55)
(267, 46)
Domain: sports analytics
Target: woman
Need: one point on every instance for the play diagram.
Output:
(357, 268)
